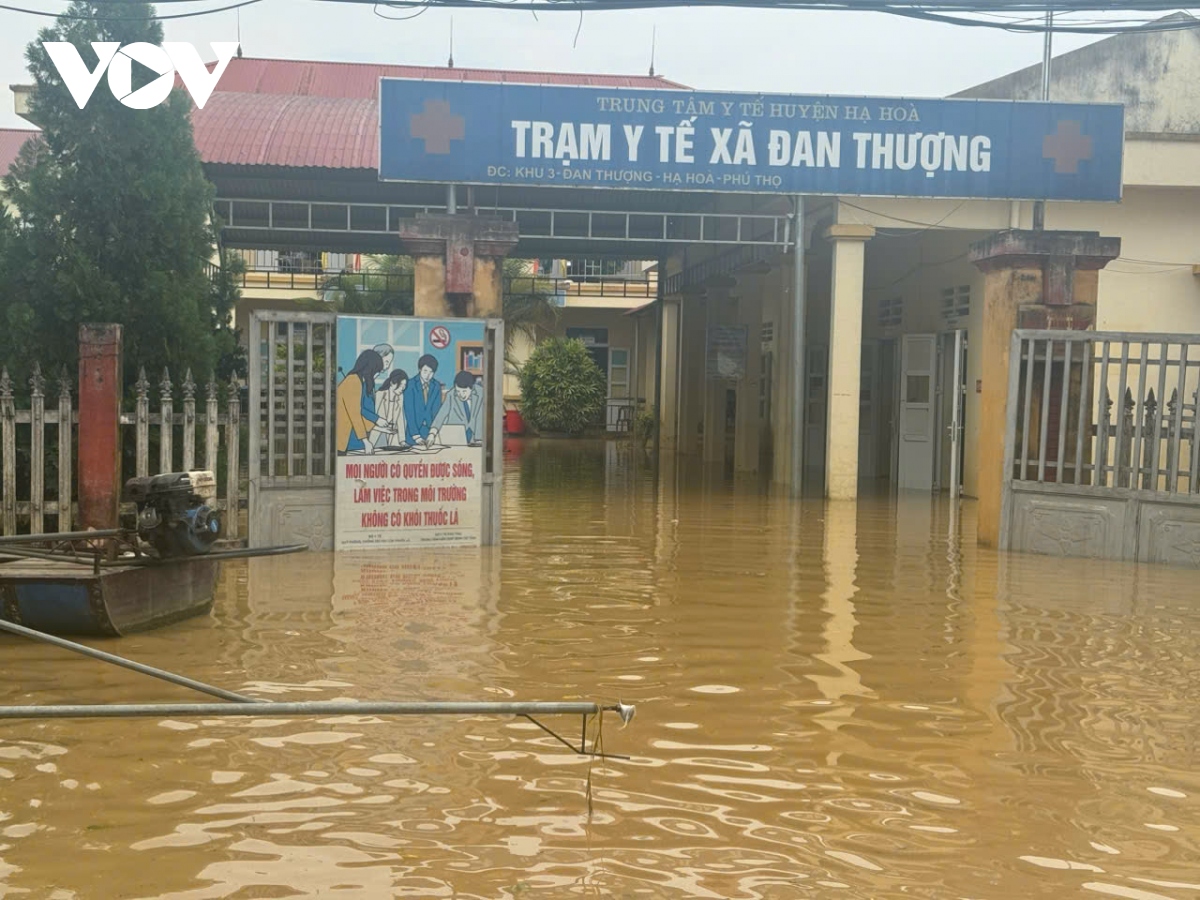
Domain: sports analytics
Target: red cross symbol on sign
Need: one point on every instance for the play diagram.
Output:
(1068, 146)
(437, 127)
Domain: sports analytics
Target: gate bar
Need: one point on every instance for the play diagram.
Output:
(1104, 401)
(1177, 425)
(1031, 354)
(1160, 417)
(1044, 427)
(124, 663)
(1064, 407)
(1119, 406)
(1139, 412)
(1086, 374)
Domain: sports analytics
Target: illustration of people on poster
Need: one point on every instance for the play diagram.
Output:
(410, 419)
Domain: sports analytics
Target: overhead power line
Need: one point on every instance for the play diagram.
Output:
(1071, 16)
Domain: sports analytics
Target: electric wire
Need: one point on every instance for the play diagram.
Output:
(1022, 16)
(155, 18)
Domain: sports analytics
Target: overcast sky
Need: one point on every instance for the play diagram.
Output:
(771, 51)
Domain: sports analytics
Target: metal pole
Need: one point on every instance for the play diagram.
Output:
(797, 385)
(957, 392)
(302, 708)
(1039, 208)
(67, 536)
(129, 664)
(451, 200)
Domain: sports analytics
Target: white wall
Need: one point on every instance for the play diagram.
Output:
(1151, 286)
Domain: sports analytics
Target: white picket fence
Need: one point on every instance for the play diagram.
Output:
(25, 432)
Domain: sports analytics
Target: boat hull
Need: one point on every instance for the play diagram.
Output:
(68, 599)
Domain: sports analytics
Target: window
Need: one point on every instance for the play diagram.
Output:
(592, 337)
(340, 262)
(618, 373)
(956, 304)
(891, 312)
(596, 269)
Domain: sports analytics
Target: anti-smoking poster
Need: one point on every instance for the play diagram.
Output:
(410, 420)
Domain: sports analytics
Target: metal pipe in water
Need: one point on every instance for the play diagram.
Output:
(311, 708)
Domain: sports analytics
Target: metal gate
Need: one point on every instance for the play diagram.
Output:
(293, 363)
(1102, 457)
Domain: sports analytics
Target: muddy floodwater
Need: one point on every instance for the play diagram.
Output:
(833, 701)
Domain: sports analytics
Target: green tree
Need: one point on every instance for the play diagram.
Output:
(384, 288)
(230, 354)
(114, 218)
(528, 301)
(562, 388)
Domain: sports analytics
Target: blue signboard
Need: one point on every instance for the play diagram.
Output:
(514, 134)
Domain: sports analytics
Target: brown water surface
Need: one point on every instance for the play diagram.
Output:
(832, 701)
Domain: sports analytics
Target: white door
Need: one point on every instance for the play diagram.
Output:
(918, 363)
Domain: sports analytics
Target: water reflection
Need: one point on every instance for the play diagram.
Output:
(832, 699)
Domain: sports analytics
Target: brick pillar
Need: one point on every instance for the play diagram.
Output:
(99, 425)
(1032, 279)
(458, 264)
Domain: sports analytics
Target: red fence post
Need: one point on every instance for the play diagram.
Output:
(99, 425)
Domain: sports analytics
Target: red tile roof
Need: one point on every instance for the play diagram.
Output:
(282, 112)
(281, 130)
(11, 141)
(360, 81)
(303, 113)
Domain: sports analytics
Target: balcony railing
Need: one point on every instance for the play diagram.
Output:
(368, 281)
(402, 283)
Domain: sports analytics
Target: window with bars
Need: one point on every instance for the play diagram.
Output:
(956, 303)
(891, 312)
(299, 261)
(596, 269)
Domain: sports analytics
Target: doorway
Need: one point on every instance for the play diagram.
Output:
(929, 410)
(951, 411)
(918, 374)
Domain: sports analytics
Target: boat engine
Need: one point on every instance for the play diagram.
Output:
(175, 511)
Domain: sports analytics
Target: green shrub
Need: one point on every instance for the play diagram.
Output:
(562, 388)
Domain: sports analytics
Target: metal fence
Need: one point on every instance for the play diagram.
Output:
(1105, 409)
(38, 446)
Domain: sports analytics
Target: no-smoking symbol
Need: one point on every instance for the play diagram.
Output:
(440, 337)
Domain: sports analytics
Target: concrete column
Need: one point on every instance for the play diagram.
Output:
(845, 359)
(488, 297)
(429, 287)
(781, 282)
(1032, 279)
(668, 415)
(749, 422)
(458, 264)
(100, 392)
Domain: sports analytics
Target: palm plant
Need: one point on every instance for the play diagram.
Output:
(528, 300)
(385, 288)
